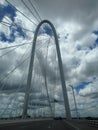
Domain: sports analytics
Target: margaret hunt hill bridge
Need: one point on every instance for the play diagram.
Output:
(33, 89)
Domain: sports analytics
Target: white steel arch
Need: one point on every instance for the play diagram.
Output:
(66, 102)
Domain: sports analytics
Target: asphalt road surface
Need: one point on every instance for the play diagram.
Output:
(37, 125)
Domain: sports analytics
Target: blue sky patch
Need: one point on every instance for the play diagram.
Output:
(96, 41)
(82, 85)
(91, 47)
(46, 29)
(3, 37)
(12, 36)
(7, 11)
(10, 12)
(94, 45)
(96, 33)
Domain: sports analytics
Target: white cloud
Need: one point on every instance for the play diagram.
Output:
(90, 91)
(88, 66)
(75, 22)
(5, 30)
(2, 2)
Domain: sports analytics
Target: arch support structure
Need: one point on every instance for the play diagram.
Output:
(66, 102)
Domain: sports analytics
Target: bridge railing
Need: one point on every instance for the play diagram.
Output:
(93, 123)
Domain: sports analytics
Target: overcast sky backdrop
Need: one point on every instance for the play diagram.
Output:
(76, 23)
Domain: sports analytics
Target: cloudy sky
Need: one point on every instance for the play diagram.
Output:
(76, 23)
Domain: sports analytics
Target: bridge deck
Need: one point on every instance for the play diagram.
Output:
(45, 125)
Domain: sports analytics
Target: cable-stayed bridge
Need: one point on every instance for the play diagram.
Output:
(33, 83)
(40, 68)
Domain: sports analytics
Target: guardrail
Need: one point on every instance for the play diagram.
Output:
(93, 123)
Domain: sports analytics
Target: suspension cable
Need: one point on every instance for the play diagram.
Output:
(14, 98)
(4, 24)
(4, 77)
(46, 79)
(16, 67)
(30, 10)
(14, 24)
(35, 10)
(44, 69)
(20, 60)
(11, 50)
(21, 12)
(3, 48)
